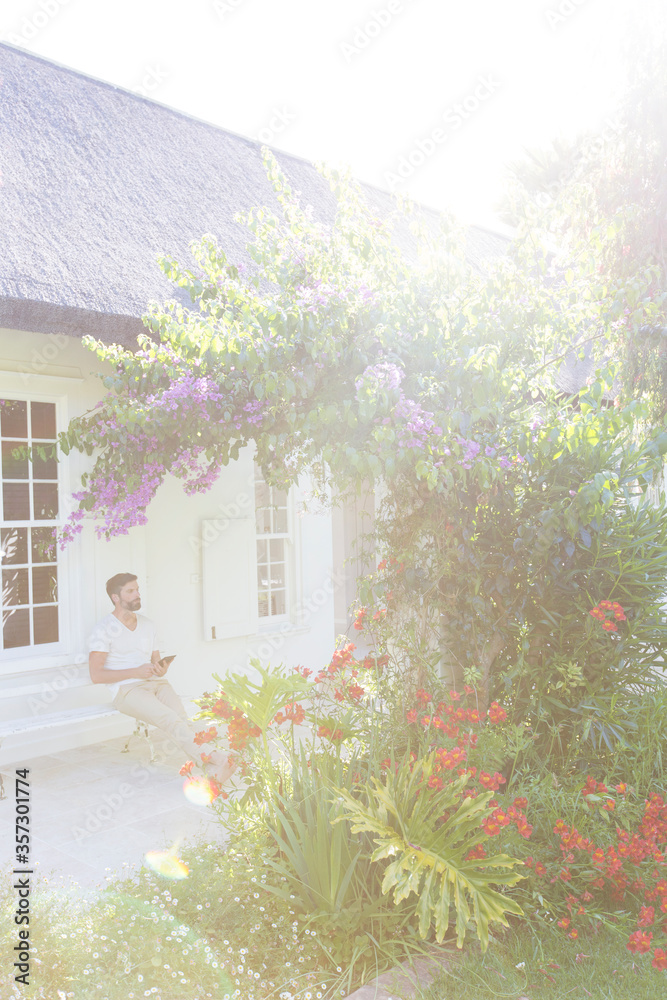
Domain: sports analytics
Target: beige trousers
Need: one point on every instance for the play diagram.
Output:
(155, 702)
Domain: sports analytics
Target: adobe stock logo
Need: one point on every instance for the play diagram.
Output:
(31, 26)
(368, 31)
(453, 119)
(280, 120)
(556, 15)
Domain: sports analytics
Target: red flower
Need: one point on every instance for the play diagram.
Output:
(187, 767)
(646, 916)
(496, 713)
(640, 942)
(475, 853)
(492, 783)
(659, 959)
(359, 620)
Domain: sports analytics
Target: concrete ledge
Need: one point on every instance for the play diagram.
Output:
(405, 979)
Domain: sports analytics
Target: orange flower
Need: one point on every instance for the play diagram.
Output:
(205, 736)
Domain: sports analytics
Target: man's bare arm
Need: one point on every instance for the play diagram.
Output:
(100, 675)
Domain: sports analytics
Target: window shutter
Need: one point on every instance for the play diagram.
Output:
(229, 565)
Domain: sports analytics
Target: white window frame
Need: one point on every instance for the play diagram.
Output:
(37, 657)
(269, 622)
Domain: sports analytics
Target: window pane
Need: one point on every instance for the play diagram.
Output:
(278, 603)
(45, 624)
(44, 468)
(14, 545)
(263, 518)
(43, 545)
(262, 577)
(43, 419)
(277, 574)
(45, 496)
(263, 604)
(16, 504)
(13, 467)
(280, 521)
(14, 418)
(262, 494)
(14, 587)
(277, 549)
(44, 585)
(16, 629)
(262, 552)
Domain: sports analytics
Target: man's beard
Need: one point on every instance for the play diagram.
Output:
(132, 605)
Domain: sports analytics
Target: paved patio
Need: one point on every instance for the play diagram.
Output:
(96, 811)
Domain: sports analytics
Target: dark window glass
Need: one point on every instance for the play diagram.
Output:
(44, 585)
(44, 468)
(14, 418)
(16, 628)
(15, 587)
(45, 496)
(45, 625)
(14, 546)
(43, 545)
(13, 467)
(43, 420)
(16, 502)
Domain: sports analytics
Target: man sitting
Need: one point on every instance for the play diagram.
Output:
(123, 654)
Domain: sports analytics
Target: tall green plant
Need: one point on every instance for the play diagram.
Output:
(325, 873)
(430, 835)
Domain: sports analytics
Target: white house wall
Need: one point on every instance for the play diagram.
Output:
(168, 561)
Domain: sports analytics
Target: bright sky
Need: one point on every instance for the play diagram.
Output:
(430, 97)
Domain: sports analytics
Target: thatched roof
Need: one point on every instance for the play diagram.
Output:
(98, 181)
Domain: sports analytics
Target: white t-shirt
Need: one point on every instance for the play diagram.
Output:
(126, 648)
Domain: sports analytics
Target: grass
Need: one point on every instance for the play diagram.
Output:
(517, 967)
(216, 934)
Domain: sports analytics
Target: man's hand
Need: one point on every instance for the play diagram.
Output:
(145, 671)
(159, 670)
